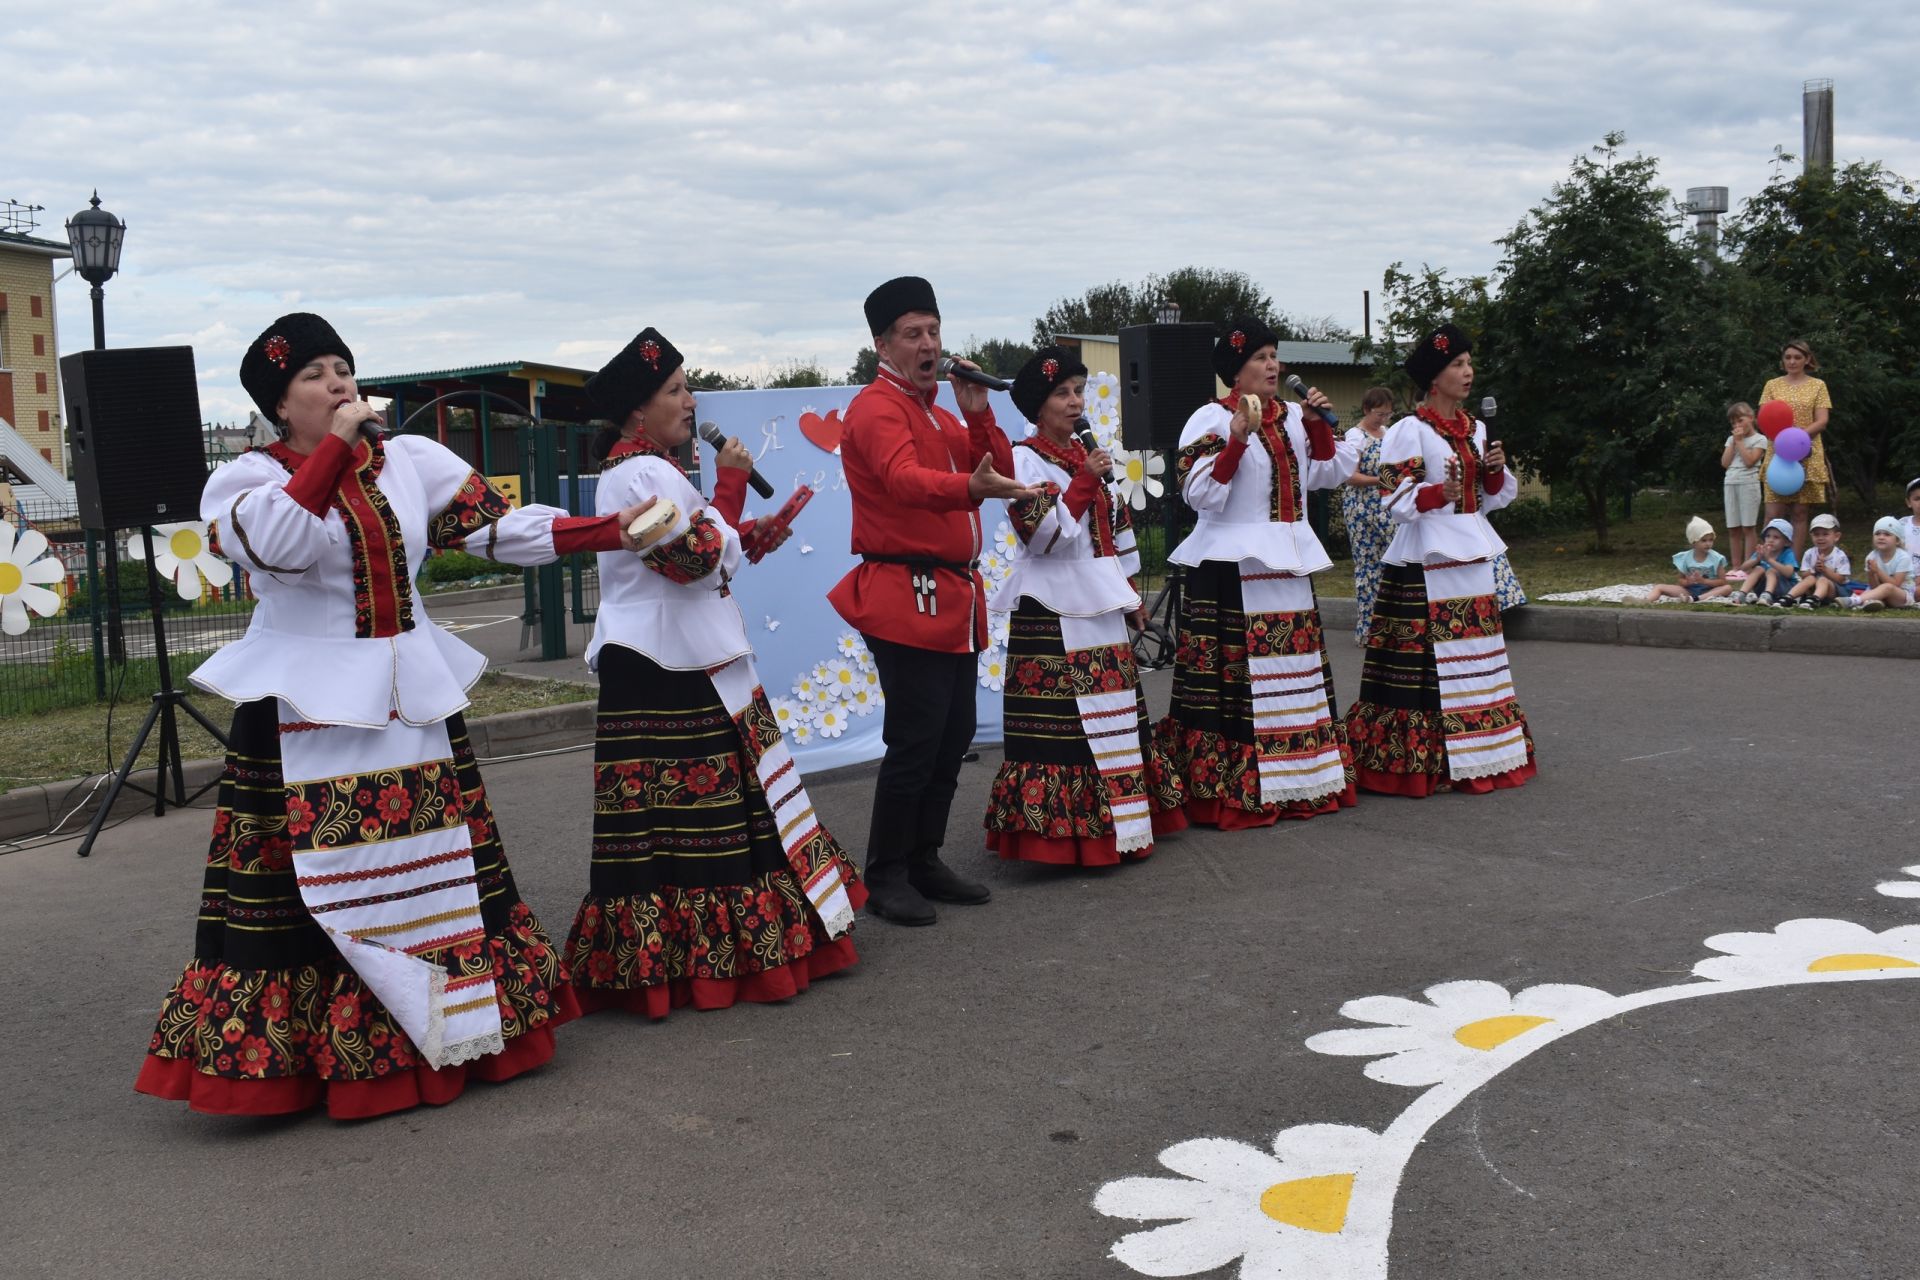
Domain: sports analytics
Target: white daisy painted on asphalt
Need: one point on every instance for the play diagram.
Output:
(993, 668)
(842, 677)
(25, 574)
(183, 554)
(1902, 888)
(833, 721)
(1139, 476)
(1418, 1044)
(1811, 951)
(1282, 1214)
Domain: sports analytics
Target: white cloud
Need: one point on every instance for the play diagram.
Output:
(540, 180)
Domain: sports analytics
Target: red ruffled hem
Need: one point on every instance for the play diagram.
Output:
(177, 1080)
(1420, 785)
(1078, 851)
(766, 987)
(1214, 812)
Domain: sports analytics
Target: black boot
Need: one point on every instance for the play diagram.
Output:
(936, 880)
(890, 897)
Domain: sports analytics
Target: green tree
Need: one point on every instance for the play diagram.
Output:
(1414, 304)
(1203, 293)
(866, 367)
(1583, 332)
(1001, 357)
(712, 380)
(796, 373)
(1835, 259)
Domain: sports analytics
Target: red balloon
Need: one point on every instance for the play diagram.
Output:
(1775, 416)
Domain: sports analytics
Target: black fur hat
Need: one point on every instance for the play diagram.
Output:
(896, 298)
(1436, 351)
(629, 379)
(1237, 344)
(1038, 377)
(282, 350)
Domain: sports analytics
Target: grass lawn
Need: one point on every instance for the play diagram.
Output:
(54, 746)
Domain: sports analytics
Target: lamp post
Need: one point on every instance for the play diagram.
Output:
(95, 237)
(1168, 312)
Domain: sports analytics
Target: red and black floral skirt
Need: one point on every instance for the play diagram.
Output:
(1051, 801)
(691, 896)
(1396, 726)
(268, 1018)
(1207, 735)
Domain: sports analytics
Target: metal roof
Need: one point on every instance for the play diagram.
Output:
(509, 369)
(1290, 353)
(34, 244)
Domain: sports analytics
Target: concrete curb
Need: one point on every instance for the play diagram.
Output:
(28, 811)
(1660, 628)
(474, 595)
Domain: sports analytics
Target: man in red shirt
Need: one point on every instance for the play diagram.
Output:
(917, 477)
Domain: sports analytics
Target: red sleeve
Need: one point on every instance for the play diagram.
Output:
(1430, 497)
(1080, 494)
(318, 478)
(1319, 436)
(1229, 460)
(585, 533)
(989, 440)
(729, 493)
(886, 442)
(1491, 480)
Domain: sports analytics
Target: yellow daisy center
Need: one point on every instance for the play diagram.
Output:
(1491, 1033)
(1312, 1204)
(1136, 470)
(1856, 962)
(185, 544)
(1103, 391)
(10, 577)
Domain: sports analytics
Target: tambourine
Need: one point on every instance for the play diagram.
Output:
(649, 526)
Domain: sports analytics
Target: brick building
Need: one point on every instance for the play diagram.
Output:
(29, 346)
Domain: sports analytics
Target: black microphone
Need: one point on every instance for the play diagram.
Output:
(1084, 431)
(1299, 388)
(951, 367)
(711, 434)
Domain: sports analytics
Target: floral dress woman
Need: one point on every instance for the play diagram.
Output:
(1369, 529)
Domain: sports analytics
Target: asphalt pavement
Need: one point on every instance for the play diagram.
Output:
(952, 1105)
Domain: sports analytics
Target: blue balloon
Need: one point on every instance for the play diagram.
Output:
(1785, 478)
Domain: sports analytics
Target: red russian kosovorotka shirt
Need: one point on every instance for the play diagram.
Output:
(907, 462)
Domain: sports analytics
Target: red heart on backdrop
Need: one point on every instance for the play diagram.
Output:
(824, 432)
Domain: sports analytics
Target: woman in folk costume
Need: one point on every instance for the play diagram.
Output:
(712, 879)
(1082, 784)
(1253, 729)
(361, 942)
(1436, 710)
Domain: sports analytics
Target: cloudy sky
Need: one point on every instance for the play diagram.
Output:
(457, 184)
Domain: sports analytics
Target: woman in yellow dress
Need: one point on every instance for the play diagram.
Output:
(1807, 395)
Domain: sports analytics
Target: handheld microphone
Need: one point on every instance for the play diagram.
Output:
(711, 434)
(372, 429)
(1083, 431)
(1488, 407)
(949, 367)
(1299, 388)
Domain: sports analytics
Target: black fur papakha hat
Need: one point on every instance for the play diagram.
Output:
(896, 298)
(1038, 377)
(1236, 346)
(629, 379)
(1436, 351)
(282, 350)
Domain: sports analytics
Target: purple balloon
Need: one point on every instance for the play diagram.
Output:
(1793, 444)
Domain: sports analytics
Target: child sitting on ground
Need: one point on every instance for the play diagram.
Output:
(1910, 524)
(1773, 565)
(1703, 571)
(1825, 568)
(1889, 570)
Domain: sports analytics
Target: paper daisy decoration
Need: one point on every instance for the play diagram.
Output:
(863, 662)
(833, 721)
(993, 668)
(1005, 541)
(869, 677)
(787, 714)
(992, 566)
(1902, 888)
(1421, 1044)
(24, 576)
(183, 553)
(842, 678)
(864, 701)
(806, 690)
(802, 734)
(1103, 394)
(1810, 951)
(998, 626)
(1281, 1213)
(849, 644)
(1139, 476)
(821, 676)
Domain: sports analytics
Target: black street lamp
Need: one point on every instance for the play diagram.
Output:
(1168, 312)
(95, 237)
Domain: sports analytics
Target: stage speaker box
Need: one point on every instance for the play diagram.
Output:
(1166, 372)
(133, 424)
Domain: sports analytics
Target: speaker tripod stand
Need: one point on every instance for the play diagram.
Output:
(166, 704)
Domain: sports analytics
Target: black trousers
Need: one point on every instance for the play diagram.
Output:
(929, 726)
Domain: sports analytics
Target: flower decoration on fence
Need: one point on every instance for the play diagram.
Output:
(1319, 1202)
(1139, 476)
(183, 554)
(25, 574)
(1103, 408)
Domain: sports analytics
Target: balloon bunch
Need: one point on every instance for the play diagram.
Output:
(1791, 445)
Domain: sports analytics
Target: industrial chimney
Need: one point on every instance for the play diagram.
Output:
(1816, 128)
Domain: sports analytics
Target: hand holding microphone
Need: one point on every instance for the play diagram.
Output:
(951, 368)
(1099, 461)
(731, 453)
(1314, 400)
(1496, 455)
(356, 420)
